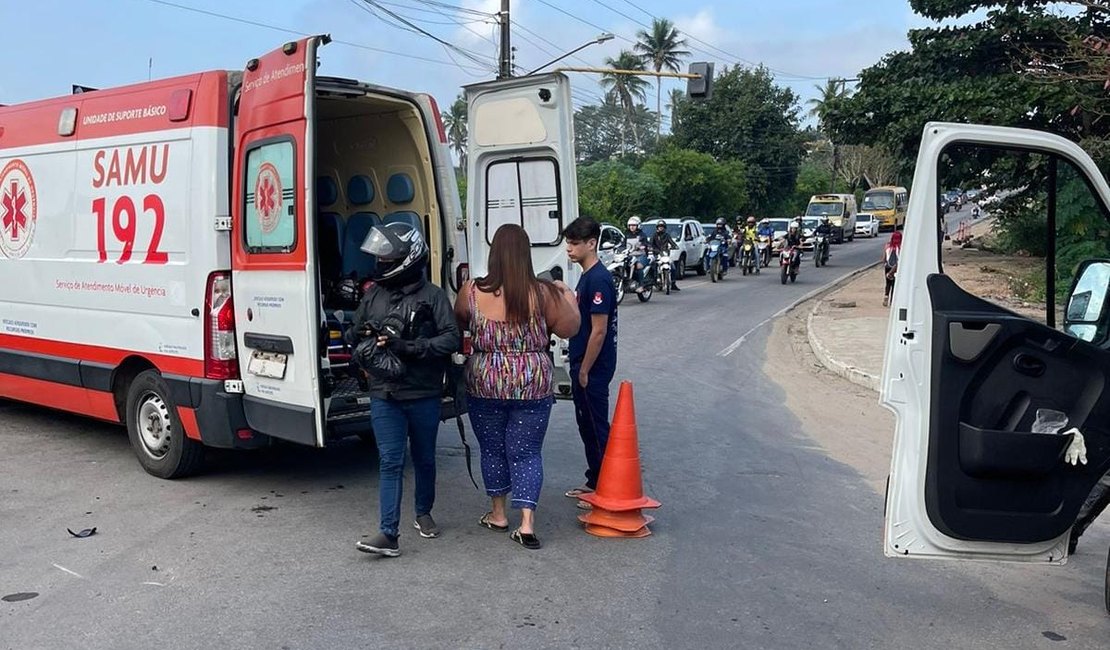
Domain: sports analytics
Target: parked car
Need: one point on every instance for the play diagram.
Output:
(867, 225)
(690, 238)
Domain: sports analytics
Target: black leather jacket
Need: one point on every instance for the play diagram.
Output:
(662, 243)
(431, 335)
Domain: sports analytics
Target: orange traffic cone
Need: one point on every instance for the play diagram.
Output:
(620, 492)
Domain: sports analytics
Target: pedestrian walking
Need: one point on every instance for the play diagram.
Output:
(411, 318)
(511, 315)
(891, 252)
(593, 350)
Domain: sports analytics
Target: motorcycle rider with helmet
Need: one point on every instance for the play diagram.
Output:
(793, 240)
(824, 228)
(721, 233)
(661, 244)
(638, 243)
(412, 318)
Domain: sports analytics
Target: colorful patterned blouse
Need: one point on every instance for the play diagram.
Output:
(510, 360)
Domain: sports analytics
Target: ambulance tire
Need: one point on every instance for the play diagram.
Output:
(162, 448)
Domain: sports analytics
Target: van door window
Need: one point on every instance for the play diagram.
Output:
(270, 198)
(525, 192)
(1041, 223)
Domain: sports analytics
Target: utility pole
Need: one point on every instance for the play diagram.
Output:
(505, 63)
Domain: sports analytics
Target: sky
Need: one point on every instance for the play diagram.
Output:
(102, 43)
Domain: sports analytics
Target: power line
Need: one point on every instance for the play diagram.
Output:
(254, 23)
(464, 52)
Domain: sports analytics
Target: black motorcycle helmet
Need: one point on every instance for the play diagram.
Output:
(660, 226)
(400, 251)
(721, 223)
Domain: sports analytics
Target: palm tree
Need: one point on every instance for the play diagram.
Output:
(661, 48)
(454, 122)
(675, 99)
(832, 91)
(627, 89)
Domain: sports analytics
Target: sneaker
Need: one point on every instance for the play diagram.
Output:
(426, 526)
(674, 287)
(886, 301)
(380, 544)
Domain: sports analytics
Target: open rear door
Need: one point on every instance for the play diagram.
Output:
(968, 378)
(277, 305)
(521, 170)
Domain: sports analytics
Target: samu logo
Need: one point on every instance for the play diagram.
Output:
(18, 209)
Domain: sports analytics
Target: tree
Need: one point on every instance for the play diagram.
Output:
(991, 71)
(677, 97)
(454, 122)
(752, 120)
(694, 184)
(829, 94)
(662, 50)
(612, 191)
(627, 89)
(598, 129)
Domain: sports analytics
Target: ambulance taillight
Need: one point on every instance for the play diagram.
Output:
(220, 358)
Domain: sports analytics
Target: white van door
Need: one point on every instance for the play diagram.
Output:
(277, 304)
(968, 378)
(521, 170)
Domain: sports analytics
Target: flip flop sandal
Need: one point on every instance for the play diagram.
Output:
(577, 492)
(582, 505)
(484, 522)
(527, 540)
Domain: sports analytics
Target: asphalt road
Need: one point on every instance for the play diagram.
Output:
(762, 541)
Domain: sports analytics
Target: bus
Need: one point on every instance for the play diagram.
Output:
(888, 205)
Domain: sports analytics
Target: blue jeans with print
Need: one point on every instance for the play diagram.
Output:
(396, 422)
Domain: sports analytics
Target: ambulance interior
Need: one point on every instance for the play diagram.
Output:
(373, 167)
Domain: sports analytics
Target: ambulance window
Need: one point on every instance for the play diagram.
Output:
(270, 198)
(525, 192)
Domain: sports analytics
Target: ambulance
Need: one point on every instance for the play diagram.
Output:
(181, 256)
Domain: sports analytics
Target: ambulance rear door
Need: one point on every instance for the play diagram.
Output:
(274, 270)
(521, 170)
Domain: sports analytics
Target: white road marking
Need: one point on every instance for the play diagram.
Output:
(826, 287)
(72, 573)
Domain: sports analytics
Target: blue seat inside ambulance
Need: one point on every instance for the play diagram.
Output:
(360, 194)
(329, 229)
(401, 191)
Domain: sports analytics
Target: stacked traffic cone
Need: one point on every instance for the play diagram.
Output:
(620, 492)
(962, 234)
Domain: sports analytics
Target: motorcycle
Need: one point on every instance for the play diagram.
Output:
(763, 247)
(748, 261)
(790, 260)
(717, 256)
(820, 250)
(623, 269)
(659, 274)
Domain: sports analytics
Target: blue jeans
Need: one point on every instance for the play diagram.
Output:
(395, 422)
(510, 434)
(642, 262)
(591, 410)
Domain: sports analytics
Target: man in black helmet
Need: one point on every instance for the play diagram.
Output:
(412, 318)
(662, 244)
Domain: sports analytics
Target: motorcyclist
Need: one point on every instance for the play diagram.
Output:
(748, 235)
(721, 233)
(767, 230)
(638, 245)
(824, 228)
(662, 244)
(793, 239)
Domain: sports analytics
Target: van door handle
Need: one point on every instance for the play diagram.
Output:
(1029, 365)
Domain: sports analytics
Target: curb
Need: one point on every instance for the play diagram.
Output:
(849, 372)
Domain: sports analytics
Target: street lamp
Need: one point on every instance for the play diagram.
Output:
(597, 41)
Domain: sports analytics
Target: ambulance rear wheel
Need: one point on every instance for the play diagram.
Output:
(155, 431)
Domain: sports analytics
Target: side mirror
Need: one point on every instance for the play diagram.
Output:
(1087, 302)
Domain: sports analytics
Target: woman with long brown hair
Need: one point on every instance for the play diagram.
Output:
(511, 315)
